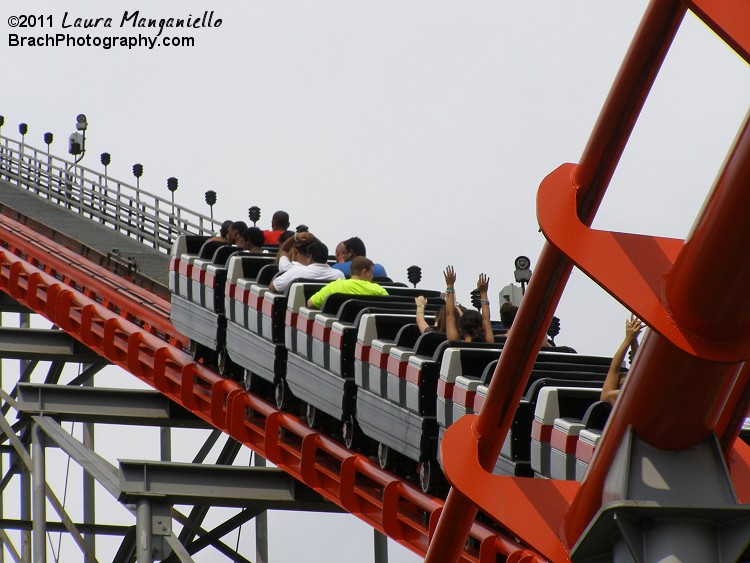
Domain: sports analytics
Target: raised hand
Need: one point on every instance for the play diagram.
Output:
(450, 276)
(483, 283)
(633, 327)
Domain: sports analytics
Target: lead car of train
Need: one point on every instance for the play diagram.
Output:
(360, 370)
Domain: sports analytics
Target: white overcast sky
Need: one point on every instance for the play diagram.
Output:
(424, 127)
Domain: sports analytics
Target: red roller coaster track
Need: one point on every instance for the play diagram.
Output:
(130, 327)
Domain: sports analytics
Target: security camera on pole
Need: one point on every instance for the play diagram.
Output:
(77, 148)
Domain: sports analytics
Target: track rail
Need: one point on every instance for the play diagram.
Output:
(130, 327)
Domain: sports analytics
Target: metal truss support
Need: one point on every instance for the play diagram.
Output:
(261, 523)
(151, 488)
(148, 489)
(213, 537)
(198, 513)
(89, 489)
(381, 547)
(143, 531)
(38, 496)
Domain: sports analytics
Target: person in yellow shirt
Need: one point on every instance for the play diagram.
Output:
(360, 283)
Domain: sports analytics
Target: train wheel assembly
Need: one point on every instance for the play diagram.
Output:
(351, 433)
(281, 394)
(312, 416)
(384, 456)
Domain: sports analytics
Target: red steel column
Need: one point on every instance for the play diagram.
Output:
(617, 118)
(674, 400)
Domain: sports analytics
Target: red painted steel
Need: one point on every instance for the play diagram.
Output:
(664, 374)
(350, 480)
(592, 176)
(149, 310)
(711, 393)
(729, 19)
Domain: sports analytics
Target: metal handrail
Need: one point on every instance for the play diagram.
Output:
(151, 219)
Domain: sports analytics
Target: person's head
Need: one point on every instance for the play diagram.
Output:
(470, 326)
(354, 247)
(340, 252)
(440, 323)
(507, 314)
(225, 228)
(301, 254)
(285, 236)
(318, 252)
(362, 268)
(252, 238)
(235, 230)
(280, 221)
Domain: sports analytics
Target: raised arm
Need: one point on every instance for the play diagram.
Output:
(286, 249)
(421, 302)
(483, 284)
(451, 325)
(611, 387)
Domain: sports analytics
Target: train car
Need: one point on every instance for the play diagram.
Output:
(360, 370)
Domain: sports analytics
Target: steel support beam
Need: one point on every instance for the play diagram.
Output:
(87, 374)
(44, 345)
(98, 467)
(261, 523)
(143, 531)
(214, 536)
(39, 504)
(262, 488)
(89, 488)
(55, 527)
(198, 513)
(131, 407)
(10, 305)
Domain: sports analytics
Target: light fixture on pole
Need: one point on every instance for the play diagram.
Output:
(105, 159)
(138, 172)
(172, 187)
(48, 138)
(254, 214)
(211, 200)
(414, 274)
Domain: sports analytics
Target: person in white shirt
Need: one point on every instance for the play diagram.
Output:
(312, 264)
(287, 256)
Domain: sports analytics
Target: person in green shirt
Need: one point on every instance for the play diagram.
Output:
(360, 283)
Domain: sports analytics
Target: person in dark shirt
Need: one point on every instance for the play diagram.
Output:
(472, 326)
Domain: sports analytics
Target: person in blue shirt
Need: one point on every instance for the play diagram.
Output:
(348, 250)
